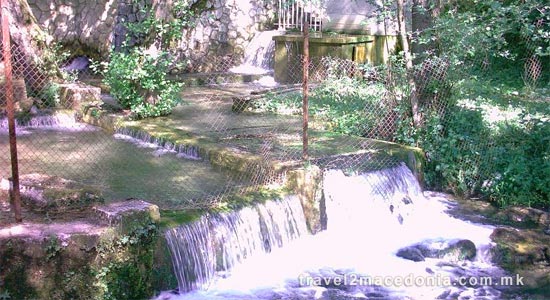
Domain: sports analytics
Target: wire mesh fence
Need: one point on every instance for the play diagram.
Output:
(228, 137)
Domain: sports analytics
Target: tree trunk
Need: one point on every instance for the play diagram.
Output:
(29, 47)
(413, 98)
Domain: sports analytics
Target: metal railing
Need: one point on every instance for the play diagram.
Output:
(293, 15)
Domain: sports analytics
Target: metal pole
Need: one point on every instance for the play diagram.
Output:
(15, 194)
(305, 92)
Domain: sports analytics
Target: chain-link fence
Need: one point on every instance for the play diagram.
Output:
(221, 141)
(233, 134)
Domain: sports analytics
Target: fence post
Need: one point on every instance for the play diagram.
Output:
(305, 92)
(10, 107)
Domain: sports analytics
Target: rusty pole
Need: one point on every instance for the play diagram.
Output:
(14, 193)
(305, 93)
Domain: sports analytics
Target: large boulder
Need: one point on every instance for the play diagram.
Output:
(74, 95)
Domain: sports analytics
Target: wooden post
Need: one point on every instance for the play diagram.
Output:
(305, 92)
(10, 107)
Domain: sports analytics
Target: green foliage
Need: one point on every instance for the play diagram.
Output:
(138, 80)
(521, 163)
(165, 30)
(480, 30)
(53, 247)
(470, 155)
(52, 57)
(343, 105)
(50, 95)
(127, 259)
(455, 149)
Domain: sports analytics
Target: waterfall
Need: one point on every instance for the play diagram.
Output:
(372, 219)
(143, 139)
(57, 121)
(377, 194)
(217, 242)
(259, 54)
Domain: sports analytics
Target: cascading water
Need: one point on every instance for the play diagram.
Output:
(218, 242)
(144, 140)
(259, 58)
(373, 218)
(259, 54)
(57, 121)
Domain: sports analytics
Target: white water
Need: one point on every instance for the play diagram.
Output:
(144, 140)
(259, 58)
(369, 220)
(220, 242)
(259, 54)
(56, 121)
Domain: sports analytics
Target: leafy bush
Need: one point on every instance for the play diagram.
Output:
(343, 105)
(509, 163)
(138, 80)
(521, 163)
(455, 147)
(49, 96)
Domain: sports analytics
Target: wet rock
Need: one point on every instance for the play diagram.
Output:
(450, 250)
(459, 250)
(524, 252)
(410, 253)
(54, 195)
(527, 215)
(516, 248)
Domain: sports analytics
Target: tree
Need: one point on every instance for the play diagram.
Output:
(413, 97)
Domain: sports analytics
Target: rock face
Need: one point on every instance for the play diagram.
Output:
(54, 195)
(450, 250)
(220, 28)
(73, 95)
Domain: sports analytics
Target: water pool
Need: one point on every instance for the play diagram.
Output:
(120, 166)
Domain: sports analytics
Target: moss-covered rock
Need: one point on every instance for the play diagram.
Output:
(82, 259)
(525, 252)
(54, 195)
(307, 184)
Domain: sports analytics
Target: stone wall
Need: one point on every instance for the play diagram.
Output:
(225, 29)
(79, 24)
(221, 27)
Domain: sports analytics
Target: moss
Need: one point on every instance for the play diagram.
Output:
(115, 263)
(199, 7)
(13, 270)
(124, 263)
(174, 218)
(260, 195)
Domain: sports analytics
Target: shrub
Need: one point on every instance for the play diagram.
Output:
(343, 105)
(508, 162)
(138, 81)
(521, 164)
(455, 147)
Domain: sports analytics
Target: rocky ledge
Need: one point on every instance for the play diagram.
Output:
(98, 251)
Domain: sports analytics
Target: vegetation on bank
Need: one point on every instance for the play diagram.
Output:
(483, 92)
